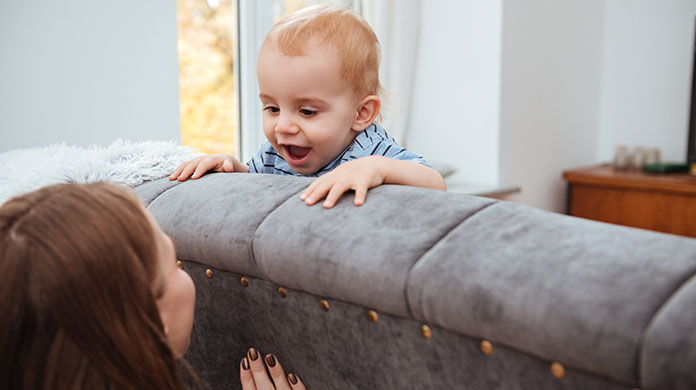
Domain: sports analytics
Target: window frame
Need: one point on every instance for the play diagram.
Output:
(254, 19)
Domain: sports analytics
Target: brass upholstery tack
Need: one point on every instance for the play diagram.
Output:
(486, 347)
(325, 304)
(557, 370)
(426, 332)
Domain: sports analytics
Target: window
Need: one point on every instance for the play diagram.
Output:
(207, 31)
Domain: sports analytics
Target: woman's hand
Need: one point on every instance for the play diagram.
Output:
(252, 370)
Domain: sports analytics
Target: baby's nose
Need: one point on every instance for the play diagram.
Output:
(286, 125)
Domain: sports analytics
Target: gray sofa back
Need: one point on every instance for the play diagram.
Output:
(609, 307)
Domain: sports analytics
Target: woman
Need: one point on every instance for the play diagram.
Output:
(91, 297)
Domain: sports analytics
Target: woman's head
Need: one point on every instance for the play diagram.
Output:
(84, 290)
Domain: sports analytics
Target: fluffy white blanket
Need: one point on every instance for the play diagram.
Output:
(123, 162)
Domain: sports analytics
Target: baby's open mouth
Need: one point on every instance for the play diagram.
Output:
(298, 152)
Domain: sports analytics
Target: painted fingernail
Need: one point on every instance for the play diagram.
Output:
(253, 354)
(270, 360)
(245, 364)
(292, 378)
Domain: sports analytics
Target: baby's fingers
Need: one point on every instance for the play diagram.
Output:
(360, 194)
(321, 188)
(335, 193)
(178, 170)
(203, 167)
(188, 170)
(308, 191)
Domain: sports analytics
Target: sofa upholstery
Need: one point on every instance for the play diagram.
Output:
(609, 307)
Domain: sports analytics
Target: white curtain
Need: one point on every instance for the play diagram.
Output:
(398, 27)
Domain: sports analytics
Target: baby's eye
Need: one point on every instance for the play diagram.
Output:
(272, 109)
(307, 112)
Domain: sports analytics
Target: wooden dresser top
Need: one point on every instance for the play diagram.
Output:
(607, 176)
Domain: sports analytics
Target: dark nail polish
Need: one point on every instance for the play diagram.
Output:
(270, 360)
(292, 378)
(253, 354)
(245, 364)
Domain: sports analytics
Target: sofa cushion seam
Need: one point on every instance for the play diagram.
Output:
(423, 255)
(159, 194)
(651, 322)
(252, 255)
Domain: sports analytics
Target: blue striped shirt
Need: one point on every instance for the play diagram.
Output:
(373, 141)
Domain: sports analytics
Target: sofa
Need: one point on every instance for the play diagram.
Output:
(424, 289)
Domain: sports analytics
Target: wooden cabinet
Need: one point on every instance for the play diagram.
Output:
(661, 202)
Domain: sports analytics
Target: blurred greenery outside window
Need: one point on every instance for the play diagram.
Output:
(207, 46)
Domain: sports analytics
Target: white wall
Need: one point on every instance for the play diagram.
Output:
(648, 51)
(550, 94)
(573, 78)
(85, 72)
(506, 90)
(454, 111)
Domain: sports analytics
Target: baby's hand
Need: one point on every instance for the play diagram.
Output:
(213, 162)
(358, 175)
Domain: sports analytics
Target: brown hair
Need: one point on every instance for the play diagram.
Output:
(341, 28)
(78, 270)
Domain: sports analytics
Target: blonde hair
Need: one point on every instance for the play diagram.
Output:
(343, 30)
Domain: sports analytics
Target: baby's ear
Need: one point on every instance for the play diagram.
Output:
(367, 112)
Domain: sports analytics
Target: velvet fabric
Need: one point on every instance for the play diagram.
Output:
(559, 287)
(359, 254)
(614, 305)
(668, 353)
(215, 217)
(342, 349)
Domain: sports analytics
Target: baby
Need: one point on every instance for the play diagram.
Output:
(318, 75)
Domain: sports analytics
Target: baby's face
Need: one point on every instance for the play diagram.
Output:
(308, 110)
